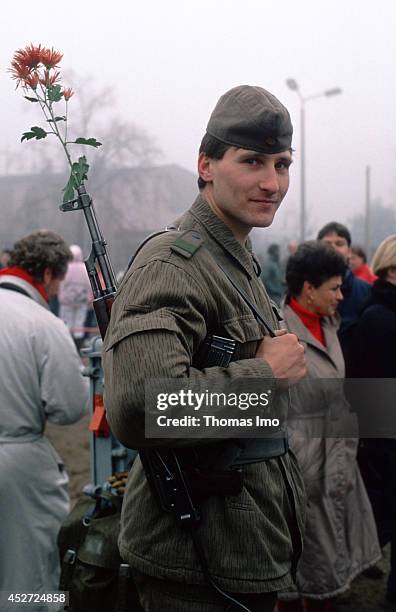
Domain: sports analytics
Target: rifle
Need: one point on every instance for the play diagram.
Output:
(98, 265)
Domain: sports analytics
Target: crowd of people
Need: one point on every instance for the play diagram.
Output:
(357, 303)
(290, 520)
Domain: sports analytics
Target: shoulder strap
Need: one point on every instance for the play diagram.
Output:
(248, 302)
(145, 241)
(14, 288)
(186, 244)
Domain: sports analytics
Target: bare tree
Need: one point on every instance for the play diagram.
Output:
(125, 145)
(90, 103)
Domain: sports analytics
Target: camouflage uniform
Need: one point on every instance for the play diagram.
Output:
(166, 306)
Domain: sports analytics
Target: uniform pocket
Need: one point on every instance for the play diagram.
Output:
(139, 323)
(243, 501)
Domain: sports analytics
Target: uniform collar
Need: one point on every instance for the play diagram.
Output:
(202, 212)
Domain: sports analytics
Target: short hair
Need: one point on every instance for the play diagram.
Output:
(214, 149)
(40, 250)
(315, 262)
(274, 250)
(357, 250)
(385, 256)
(335, 228)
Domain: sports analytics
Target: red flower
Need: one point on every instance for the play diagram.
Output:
(50, 79)
(19, 72)
(50, 58)
(29, 57)
(31, 81)
(68, 93)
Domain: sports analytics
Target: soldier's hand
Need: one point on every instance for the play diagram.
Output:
(284, 354)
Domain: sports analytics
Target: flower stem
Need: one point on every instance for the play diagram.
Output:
(55, 129)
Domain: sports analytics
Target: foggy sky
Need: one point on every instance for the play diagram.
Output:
(169, 61)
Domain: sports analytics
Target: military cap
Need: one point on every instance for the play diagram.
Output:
(250, 117)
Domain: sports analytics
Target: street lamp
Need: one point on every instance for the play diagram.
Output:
(293, 85)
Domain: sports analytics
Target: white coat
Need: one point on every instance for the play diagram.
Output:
(40, 380)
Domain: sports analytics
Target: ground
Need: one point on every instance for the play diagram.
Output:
(72, 443)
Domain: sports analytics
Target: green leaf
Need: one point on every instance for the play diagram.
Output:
(54, 93)
(27, 136)
(56, 119)
(36, 132)
(68, 190)
(92, 142)
(80, 170)
(31, 99)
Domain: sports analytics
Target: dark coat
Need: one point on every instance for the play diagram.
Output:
(374, 359)
(356, 293)
(375, 334)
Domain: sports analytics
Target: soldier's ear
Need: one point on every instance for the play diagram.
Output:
(205, 164)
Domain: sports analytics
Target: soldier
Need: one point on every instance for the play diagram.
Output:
(172, 297)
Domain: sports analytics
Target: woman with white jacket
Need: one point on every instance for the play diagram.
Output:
(41, 380)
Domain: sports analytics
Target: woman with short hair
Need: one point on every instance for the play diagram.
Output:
(340, 538)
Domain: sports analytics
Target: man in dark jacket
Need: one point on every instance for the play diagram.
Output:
(354, 290)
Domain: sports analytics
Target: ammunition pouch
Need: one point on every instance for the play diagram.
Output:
(92, 570)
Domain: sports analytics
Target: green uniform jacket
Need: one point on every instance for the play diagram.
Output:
(163, 311)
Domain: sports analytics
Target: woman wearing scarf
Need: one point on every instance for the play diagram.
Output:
(340, 538)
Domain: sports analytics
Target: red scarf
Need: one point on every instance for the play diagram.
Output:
(21, 273)
(311, 320)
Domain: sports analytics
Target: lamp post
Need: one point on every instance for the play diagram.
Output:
(293, 85)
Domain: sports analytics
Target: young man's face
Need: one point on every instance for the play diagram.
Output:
(338, 243)
(245, 188)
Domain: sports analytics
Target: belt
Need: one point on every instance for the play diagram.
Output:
(228, 454)
(25, 439)
(260, 449)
